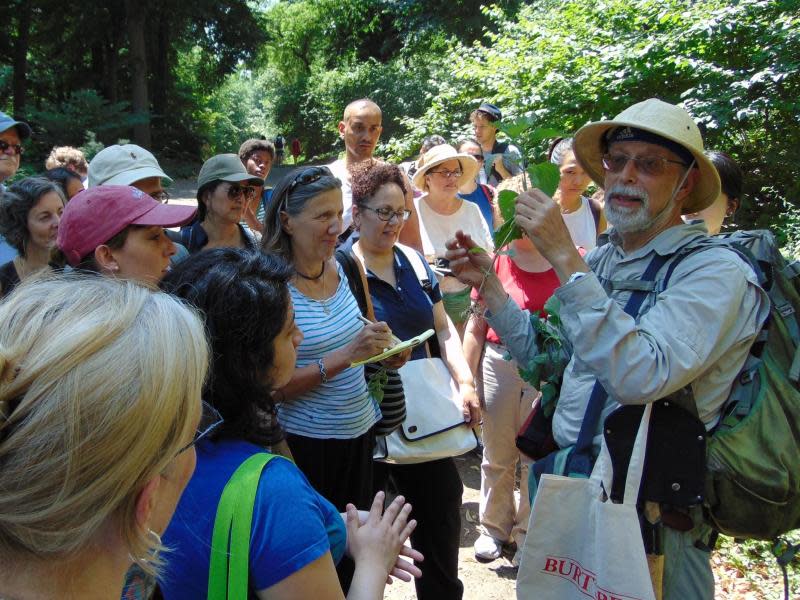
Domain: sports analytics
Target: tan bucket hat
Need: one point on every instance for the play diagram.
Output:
(666, 120)
(441, 154)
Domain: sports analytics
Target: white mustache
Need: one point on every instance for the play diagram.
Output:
(627, 190)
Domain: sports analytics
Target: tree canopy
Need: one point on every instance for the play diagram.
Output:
(193, 79)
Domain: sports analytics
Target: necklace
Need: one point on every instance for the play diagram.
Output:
(315, 277)
(324, 301)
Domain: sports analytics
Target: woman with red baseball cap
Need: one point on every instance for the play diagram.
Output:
(118, 231)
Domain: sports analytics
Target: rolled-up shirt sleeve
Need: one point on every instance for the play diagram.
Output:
(712, 305)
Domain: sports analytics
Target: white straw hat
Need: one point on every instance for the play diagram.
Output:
(665, 120)
(441, 154)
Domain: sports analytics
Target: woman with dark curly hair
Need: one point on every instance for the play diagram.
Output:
(30, 211)
(296, 535)
(398, 298)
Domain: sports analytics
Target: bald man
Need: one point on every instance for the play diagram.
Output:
(360, 128)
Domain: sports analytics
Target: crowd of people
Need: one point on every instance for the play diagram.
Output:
(149, 351)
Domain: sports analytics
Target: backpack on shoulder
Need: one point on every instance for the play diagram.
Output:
(752, 479)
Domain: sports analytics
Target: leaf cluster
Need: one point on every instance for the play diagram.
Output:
(545, 370)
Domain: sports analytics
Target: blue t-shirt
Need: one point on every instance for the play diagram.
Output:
(292, 524)
(481, 196)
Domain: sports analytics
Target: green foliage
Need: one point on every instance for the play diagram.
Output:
(545, 370)
(734, 66)
(70, 122)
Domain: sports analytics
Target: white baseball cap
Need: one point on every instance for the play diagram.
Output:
(124, 165)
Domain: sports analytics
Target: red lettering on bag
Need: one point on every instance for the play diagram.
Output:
(550, 565)
(570, 570)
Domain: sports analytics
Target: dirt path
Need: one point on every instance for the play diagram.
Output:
(482, 581)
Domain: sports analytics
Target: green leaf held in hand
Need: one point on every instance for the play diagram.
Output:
(545, 176)
(506, 233)
(507, 200)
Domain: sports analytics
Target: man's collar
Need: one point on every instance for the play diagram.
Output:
(665, 242)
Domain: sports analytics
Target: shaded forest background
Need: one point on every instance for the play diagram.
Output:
(189, 80)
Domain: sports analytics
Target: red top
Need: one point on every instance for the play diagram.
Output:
(529, 290)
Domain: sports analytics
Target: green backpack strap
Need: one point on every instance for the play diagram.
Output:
(229, 571)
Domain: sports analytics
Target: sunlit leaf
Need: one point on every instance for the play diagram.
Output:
(506, 201)
(514, 127)
(545, 176)
(506, 233)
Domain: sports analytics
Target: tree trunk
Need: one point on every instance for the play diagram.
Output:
(20, 78)
(135, 16)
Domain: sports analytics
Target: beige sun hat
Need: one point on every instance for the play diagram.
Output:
(441, 154)
(666, 120)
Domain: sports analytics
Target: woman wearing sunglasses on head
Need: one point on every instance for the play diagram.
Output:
(224, 190)
(325, 407)
(100, 386)
(296, 535)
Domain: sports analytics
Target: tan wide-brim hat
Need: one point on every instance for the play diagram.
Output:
(441, 154)
(666, 120)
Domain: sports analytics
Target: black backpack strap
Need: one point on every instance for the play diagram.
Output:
(350, 268)
(580, 460)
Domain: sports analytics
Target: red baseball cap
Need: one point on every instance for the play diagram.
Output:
(96, 215)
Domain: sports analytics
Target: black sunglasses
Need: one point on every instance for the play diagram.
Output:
(5, 146)
(307, 176)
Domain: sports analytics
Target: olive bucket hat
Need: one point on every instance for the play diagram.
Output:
(667, 121)
(226, 167)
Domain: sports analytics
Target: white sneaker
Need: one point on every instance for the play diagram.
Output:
(487, 547)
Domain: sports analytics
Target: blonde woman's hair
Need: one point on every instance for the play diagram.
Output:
(100, 384)
(68, 157)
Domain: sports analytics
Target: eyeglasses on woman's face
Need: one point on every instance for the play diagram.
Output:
(210, 419)
(448, 174)
(387, 214)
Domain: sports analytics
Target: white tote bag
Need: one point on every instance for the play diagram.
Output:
(580, 545)
(434, 425)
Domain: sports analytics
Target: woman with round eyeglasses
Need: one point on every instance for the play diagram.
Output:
(442, 212)
(100, 386)
(583, 216)
(433, 487)
(325, 408)
(30, 211)
(224, 190)
(296, 535)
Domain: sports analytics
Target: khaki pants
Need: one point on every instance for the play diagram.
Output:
(507, 403)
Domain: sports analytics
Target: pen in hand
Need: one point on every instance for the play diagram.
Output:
(366, 321)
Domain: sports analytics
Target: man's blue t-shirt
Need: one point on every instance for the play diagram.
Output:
(292, 524)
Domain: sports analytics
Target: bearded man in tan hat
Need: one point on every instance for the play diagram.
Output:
(691, 334)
